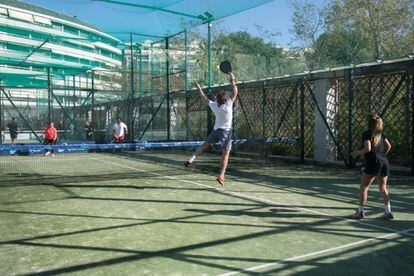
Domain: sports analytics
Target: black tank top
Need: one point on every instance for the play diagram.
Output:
(378, 151)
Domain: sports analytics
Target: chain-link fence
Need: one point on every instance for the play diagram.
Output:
(325, 110)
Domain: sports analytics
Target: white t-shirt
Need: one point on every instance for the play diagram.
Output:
(120, 129)
(224, 114)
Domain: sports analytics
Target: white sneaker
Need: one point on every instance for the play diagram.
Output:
(47, 153)
(53, 155)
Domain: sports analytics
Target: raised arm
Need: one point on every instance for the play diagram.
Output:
(200, 91)
(235, 90)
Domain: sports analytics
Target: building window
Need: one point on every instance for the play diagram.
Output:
(42, 20)
(21, 15)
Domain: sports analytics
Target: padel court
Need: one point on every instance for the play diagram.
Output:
(144, 212)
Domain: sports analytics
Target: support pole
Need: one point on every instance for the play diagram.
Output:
(140, 71)
(1, 118)
(209, 80)
(412, 124)
(128, 104)
(132, 65)
(186, 87)
(150, 60)
(93, 105)
(350, 117)
(74, 99)
(264, 117)
(49, 96)
(302, 123)
(168, 88)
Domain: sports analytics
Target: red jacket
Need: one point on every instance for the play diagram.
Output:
(50, 133)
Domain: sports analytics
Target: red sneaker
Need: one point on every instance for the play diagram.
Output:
(220, 179)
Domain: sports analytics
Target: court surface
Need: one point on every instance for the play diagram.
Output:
(144, 213)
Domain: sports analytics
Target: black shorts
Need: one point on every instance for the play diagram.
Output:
(380, 169)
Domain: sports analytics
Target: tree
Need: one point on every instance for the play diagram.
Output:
(353, 31)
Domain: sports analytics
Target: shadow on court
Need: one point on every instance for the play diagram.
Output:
(355, 260)
(337, 184)
(249, 222)
(177, 253)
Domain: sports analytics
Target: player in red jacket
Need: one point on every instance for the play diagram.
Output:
(50, 138)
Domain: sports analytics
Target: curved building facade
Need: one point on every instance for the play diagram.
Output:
(33, 38)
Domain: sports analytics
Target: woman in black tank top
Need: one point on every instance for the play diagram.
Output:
(375, 147)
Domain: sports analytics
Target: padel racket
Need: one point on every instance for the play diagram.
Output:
(225, 67)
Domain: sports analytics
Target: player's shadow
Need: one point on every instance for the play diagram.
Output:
(267, 213)
(319, 182)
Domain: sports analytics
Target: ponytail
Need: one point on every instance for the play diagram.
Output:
(375, 126)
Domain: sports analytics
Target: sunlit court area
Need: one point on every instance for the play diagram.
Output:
(206, 137)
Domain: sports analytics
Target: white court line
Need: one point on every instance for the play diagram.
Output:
(267, 265)
(266, 201)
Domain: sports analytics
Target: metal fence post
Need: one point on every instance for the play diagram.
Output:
(209, 74)
(168, 88)
(140, 71)
(49, 98)
(412, 124)
(1, 117)
(264, 116)
(186, 88)
(302, 123)
(93, 105)
(350, 116)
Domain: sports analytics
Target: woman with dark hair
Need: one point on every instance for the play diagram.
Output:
(375, 147)
(223, 112)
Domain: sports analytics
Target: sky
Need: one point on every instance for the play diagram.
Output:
(274, 17)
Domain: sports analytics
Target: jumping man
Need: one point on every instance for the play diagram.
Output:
(223, 112)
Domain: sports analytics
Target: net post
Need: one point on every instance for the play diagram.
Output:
(167, 45)
(49, 98)
(302, 123)
(350, 80)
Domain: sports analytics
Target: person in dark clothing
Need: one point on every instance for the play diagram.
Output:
(88, 131)
(13, 130)
(3, 136)
(375, 147)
